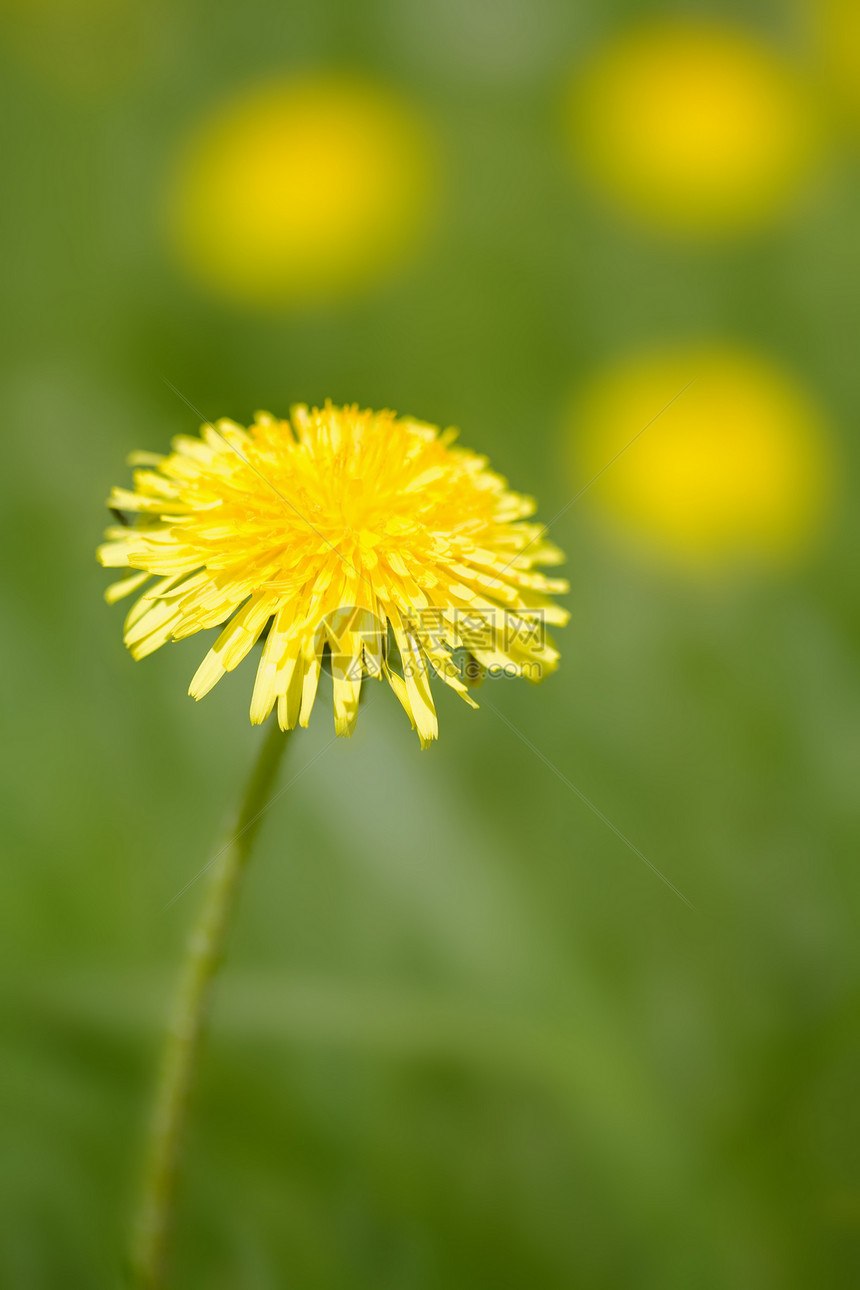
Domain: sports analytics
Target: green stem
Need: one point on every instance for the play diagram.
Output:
(182, 1045)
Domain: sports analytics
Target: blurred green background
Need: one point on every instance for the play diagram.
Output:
(465, 1037)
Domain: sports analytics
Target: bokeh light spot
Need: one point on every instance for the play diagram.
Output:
(736, 470)
(693, 127)
(302, 190)
(837, 24)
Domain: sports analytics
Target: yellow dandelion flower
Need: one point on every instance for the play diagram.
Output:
(737, 468)
(837, 30)
(693, 126)
(302, 190)
(335, 530)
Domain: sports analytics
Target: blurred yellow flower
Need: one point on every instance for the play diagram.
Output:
(693, 127)
(838, 27)
(326, 530)
(303, 189)
(737, 468)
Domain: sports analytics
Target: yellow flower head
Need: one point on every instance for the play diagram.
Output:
(301, 190)
(336, 530)
(734, 470)
(695, 127)
(837, 37)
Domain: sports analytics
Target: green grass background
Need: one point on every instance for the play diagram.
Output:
(466, 1037)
